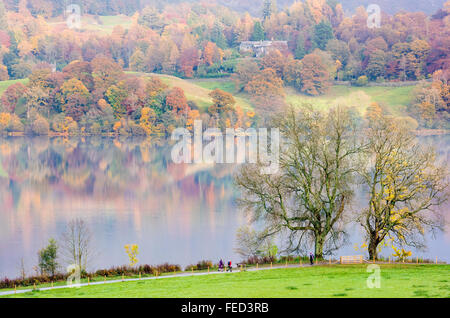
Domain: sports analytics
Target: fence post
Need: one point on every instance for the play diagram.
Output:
(122, 278)
(436, 260)
(15, 289)
(105, 279)
(89, 281)
(286, 262)
(389, 259)
(140, 276)
(256, 265)
(34, 286)
(417, 259)
(208, 269)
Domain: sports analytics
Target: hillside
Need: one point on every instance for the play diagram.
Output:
(394, 99)
(197, 91)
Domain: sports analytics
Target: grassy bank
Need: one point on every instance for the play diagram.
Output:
(402, 281)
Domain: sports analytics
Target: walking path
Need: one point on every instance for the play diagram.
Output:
(23, 291)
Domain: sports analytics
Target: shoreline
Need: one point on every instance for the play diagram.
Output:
(418, 132)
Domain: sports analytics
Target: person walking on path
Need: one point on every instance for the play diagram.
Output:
(311, 258)
(221, 266)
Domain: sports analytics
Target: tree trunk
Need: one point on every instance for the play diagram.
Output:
(318, 247)
(373, 253)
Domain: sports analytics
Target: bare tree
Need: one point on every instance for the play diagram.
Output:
(405, 185)
(22, 270)
(307, 198)
(247, 242)
(76, 244)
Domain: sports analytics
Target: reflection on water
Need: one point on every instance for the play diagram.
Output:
(128, 191)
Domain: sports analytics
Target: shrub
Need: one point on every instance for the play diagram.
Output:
(58, 123)
(4, 121)
(40, 126)
(95, 129)
(15, 125)
(71, 126)
(136, 129)
(168, 268)
(362, 81)
(110, 272)
(202, 265)
(407, 122)
(260, 260)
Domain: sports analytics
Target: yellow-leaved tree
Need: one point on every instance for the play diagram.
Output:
(405, 184)
(132, 252)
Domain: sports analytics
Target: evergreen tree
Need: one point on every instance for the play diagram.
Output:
(48, 258)
(300, 51)
(323, 32)
(258, 32)
(377, 64)
(150, 17)
(218, 37)
(269, 8)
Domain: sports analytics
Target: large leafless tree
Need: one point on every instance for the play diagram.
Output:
(307, 198)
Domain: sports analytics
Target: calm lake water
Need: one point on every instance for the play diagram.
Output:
(128, 192)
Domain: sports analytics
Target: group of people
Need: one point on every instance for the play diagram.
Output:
(230, 267)
(222, 266)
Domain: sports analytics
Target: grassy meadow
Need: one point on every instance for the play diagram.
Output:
(393, 99)
(347, 281)
(99, 24)
(198, 90)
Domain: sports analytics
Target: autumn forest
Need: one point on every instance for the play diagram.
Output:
(60, 77)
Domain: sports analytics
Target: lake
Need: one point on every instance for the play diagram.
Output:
(129, 192)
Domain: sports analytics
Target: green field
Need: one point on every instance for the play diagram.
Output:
(397, 281)
(198, 90)
(102, 24)
(5, 84)
(223, 84)
(394, 99)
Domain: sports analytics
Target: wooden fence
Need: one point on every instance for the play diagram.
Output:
(356, 259)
